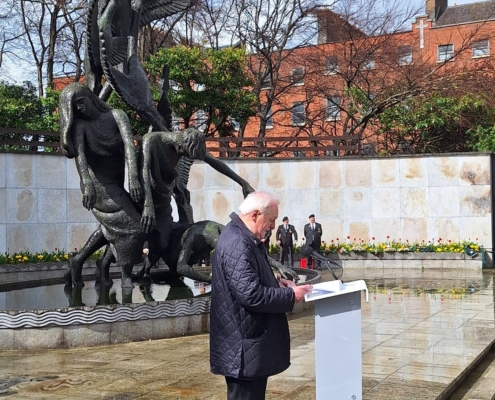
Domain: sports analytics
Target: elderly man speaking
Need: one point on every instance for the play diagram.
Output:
(249, 332)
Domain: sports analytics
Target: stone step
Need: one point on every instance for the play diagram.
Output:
(480, 384)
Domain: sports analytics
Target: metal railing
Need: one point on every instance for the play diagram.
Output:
(32, 141)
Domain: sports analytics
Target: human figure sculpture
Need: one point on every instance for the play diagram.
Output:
(190, 244)
(161, 153)
(166, 156)
(100, 140)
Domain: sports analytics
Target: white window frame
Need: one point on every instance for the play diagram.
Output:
(333, 104)
(297, 76)
(236, 124)
(269, 116)
(176, 123)
(484, 50)
(200, 119)
(266, 83)
(369, 64)
(405, 54)
(331, 68)
(298, 114)
(446, 55)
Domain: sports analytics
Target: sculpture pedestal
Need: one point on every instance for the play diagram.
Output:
(338, 354)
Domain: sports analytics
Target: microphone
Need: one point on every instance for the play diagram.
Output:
(307, 251)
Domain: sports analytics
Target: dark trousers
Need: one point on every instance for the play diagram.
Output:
(316, 249)
(285, 250)
(246, 389)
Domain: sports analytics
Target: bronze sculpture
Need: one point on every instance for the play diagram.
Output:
(100, 140)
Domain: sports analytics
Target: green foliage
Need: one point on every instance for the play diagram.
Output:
(139, 126)
(21, 108)
(436, 124)
(25, 257)
(19, 105)
(222, 79)
(390, 246)
(482, 138)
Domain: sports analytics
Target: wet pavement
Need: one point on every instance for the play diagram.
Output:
(422, 332)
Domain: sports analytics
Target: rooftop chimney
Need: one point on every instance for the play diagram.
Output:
(435, 8)
(333, 28)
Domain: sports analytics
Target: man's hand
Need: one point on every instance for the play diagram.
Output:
(286, 283)
(300, 291)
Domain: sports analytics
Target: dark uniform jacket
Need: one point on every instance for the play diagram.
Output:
(285, 236)
(313, 238)
(249, 332)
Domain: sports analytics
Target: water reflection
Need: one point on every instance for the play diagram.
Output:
(421, 287)
(62, 296)
(165, 287)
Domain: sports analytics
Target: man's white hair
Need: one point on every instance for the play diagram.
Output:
(260, 201)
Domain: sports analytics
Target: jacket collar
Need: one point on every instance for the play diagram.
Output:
(242, 226)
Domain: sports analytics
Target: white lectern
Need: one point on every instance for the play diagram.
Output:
(338, 354)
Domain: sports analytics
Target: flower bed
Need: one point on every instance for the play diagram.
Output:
(25, 257)
(360, 248)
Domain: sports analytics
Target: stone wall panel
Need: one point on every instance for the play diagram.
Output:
(3, 171)
(20, 171)
(415, 198)
(22, 206)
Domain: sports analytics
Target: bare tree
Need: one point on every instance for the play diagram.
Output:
(10, 34)
(272, 31)
(71, 40)
(48, 35)
(372, 65)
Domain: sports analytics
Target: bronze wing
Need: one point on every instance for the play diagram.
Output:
(157, 9)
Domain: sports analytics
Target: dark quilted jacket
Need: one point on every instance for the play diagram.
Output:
(249, 333)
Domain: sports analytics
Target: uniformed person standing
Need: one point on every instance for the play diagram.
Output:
(313, 233)
(285, 233)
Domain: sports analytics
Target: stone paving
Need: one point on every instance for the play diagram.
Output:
(421, 334)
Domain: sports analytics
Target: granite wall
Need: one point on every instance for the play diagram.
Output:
(41, 204)
(413, 198)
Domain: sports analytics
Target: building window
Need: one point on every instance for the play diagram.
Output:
(481, 48)
(200, 120)
(267, 82)
(333, 108)
(235, 124)
(298, 114)
(405, 55)
(331, 65)
(369, 63)
(175, 123)
(297, 76)
(445, 52)
(269, 119)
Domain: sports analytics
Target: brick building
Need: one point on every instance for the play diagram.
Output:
(339, 84)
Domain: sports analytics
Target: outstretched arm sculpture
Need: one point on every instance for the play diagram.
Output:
(190, 244)
(161, 154)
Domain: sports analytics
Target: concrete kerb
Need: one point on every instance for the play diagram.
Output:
(103, 324)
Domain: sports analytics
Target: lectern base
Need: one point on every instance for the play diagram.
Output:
(338, 354)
